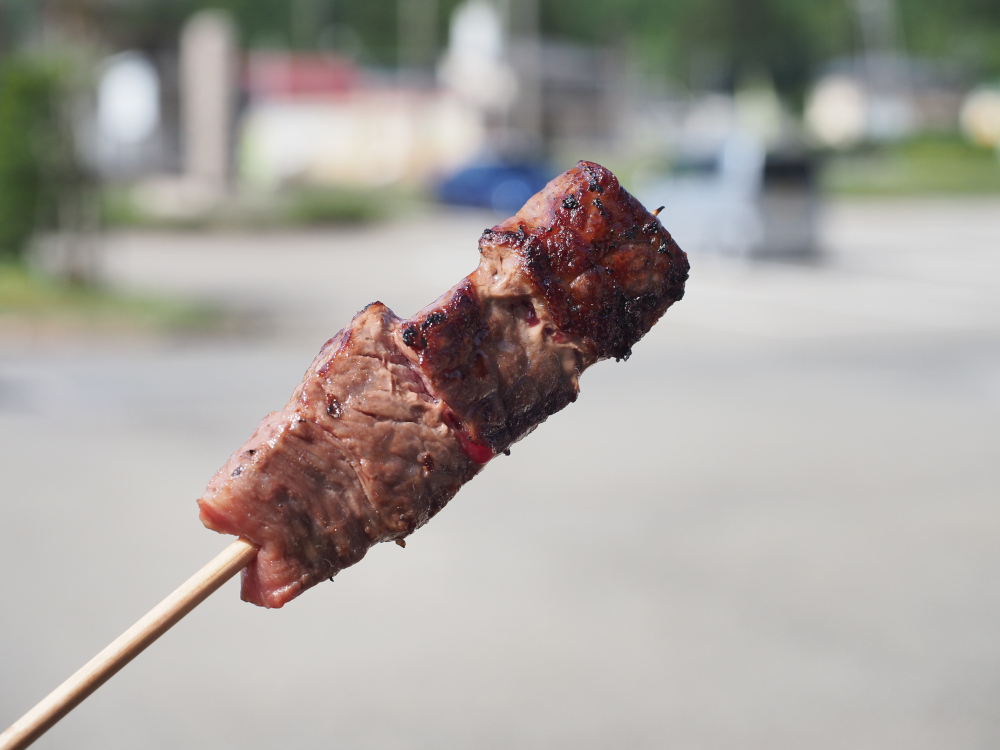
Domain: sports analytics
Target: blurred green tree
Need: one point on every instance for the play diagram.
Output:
(690, 42)
(27, 125)
(967, 31)
(42, 183)
(687, 42)
(712, 42)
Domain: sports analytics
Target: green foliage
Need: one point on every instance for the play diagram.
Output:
(35, 302)
(928, 165)
(16, 17)
(694, 40)
(28, 128)
(967, 31)
(294, 24)
(690, 42)
(726, 40)
(335, 206)
(293, 205)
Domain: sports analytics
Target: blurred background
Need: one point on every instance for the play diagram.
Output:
(776, 526)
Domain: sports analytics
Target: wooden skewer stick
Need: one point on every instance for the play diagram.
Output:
(127, 646)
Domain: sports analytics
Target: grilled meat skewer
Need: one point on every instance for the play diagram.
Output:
(394, 416)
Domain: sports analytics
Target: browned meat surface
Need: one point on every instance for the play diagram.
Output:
(578, 275)
(361, 454)
(394, 416)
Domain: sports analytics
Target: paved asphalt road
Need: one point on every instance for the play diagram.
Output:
(775, 527)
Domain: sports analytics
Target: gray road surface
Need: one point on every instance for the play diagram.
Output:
(775, 527)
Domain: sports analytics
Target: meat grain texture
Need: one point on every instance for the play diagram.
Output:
(394, 416)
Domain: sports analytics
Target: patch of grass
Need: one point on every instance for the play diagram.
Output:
(31, 300)
(118, 209)
(293, 206)
(914, 167)
(313, 206)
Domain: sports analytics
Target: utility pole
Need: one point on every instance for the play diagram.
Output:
(208, 97)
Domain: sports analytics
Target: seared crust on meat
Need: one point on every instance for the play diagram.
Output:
(500, 369)
(604, 265)
(578, 275)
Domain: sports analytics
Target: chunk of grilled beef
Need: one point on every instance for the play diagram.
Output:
(394, 416)
(360, 454)
(578, 275)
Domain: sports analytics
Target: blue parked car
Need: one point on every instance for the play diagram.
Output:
(502, 187)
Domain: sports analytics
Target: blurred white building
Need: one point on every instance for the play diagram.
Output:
(320, 119)
(475, 65)
(121, 133)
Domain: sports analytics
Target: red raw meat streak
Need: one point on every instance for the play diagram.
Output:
(477, 452)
